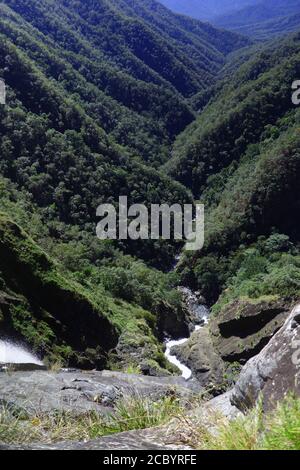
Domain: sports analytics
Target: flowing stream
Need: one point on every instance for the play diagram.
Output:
(186, 372)
(12, 353)
(201, 313)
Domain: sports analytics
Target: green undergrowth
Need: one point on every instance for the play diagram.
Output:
(128, 294)
(269, 270)
(278, 430)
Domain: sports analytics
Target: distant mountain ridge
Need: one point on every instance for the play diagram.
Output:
(138, 57)
(265, 19)
(206, 9)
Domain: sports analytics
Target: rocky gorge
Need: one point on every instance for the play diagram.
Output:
(139, 343)
(271, 375)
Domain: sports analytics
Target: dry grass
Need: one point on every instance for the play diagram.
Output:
(280, 430)
(129, 414)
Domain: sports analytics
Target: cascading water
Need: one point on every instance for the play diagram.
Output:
(200, 313)
(11, 353)
(186, 372)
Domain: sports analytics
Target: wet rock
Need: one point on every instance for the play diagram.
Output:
(21, 367)
(199, 355)
(244, 327)
(197, 311)
(275, 371)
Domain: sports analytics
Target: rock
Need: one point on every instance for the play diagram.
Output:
(48, 305)
(21, 367)
(196, 310)
(220, 405)
(142, 351)
(275, 371)
(178, 434)
(244, 327)
(171, 322)
(200, 356)
(80, 392)
(146, 439)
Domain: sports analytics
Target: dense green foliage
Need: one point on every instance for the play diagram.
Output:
(242, 156)
(134, 299)
(131, 82)
(96, 92)
(89, 107)
(96, 95)
(254, 97)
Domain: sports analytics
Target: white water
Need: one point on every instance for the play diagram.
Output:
(201, 314)
(186, 372)
(11, 353)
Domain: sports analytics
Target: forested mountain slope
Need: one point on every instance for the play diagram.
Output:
(96, 92)
(111, 68)
(255, 96)
(241, 157)
(96, 95)
(265, 19)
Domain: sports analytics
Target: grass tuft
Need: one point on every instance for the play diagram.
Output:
(129, 414)
(279, 430)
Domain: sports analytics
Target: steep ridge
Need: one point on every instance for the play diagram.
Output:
(264, 19)
(257, 95)
(96, 92)
(241, 159)
(206, 9)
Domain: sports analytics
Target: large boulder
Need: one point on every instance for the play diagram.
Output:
(275, 371)
(244, 327)
(81, 392)
(199, 355)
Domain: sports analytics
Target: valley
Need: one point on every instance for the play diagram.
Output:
(119, 342)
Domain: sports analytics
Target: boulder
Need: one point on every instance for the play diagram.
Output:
(275, 371)
(80, 392)
(199, 355)
(244, 327)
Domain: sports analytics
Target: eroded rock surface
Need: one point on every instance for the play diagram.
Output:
(199, 354)
(80, 392)
(244, 327)
(275, 371)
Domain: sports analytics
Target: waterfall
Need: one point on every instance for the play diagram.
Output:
(200, 315)
(12, 353)
(186, 372)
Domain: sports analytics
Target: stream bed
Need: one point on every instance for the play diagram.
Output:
(200, 313)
